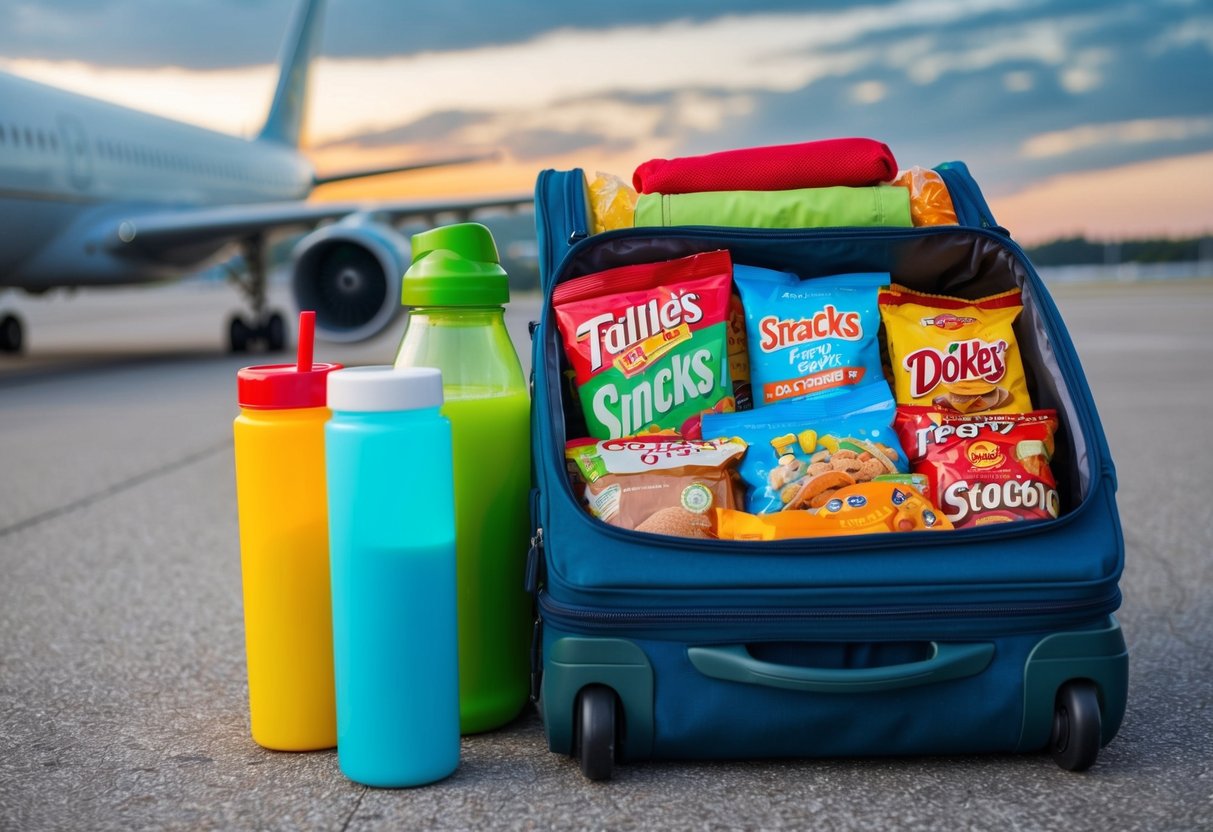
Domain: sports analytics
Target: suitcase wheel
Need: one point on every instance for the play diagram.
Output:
(594, 731)
(1076, 726)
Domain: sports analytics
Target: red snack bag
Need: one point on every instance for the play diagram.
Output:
(982, 469)
(855, 163)
(648, 345)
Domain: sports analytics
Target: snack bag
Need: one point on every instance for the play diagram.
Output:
(739, 356)
(954, 354)
(864, 508)
(612, 203)
(815, 337)
(801, 452)
(988, 468)
(666, 485)
(648, 345)
(930, 202)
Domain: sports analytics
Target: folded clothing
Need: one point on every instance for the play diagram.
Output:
(819, 164)
(802, 208)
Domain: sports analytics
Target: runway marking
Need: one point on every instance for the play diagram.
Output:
(116, 488)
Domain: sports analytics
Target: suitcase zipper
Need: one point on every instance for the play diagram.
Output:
(571, 223)
(971, 207)
(558, 612)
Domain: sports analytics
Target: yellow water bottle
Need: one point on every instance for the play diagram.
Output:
(284, 552)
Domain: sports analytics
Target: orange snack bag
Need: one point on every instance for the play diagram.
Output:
(930, 202)
(865, 508)
(953, 354)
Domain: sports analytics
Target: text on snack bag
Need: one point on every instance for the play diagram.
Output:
(777, 333)
(609, 334)
(687, 377)
(962, 498)
(973, 359)
(939, 434)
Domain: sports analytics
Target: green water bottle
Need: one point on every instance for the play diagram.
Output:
(455, 291)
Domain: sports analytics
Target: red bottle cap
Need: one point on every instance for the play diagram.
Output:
(278, 386)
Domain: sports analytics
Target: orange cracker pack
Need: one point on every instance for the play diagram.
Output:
(862, 508)
(953, 354)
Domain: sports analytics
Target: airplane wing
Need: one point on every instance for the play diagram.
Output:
(348, 269)
(160, 233)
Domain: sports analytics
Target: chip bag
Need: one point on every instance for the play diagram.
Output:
(988, 468)
(815, 337)
(864, 508)
(648, 344)
(953, 354)
(801, 452)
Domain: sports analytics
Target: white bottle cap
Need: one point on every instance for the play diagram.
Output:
(384, 388)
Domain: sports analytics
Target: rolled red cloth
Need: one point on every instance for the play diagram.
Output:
(855, 163)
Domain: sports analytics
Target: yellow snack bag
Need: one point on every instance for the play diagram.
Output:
(612, 203)
(955, 354)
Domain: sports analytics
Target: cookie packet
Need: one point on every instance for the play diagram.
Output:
(800, 452)
(661, 484)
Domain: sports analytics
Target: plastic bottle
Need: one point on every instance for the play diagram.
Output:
(392, 535)
(456, 289)
(284, 553)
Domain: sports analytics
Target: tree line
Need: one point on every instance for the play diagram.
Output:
(1074, 251)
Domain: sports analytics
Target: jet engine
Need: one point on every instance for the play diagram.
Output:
(349, 273)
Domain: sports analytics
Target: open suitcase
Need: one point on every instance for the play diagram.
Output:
(990, 639)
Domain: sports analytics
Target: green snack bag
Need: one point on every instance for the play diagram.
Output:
(648, 344)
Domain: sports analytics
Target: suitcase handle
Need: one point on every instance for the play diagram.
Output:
(947, 661)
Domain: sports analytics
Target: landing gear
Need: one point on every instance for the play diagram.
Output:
(12, 334)
(270, 334)
(267, 329)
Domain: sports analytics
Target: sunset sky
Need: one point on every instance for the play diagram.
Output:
(1077, 116)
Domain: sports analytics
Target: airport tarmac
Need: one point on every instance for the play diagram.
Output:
(122, 679)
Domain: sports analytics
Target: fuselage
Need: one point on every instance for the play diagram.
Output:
(72, 166)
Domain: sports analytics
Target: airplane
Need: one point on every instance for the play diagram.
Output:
(96, 194)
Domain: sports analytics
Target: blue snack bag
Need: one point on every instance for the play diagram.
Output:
(800, 452)
(809, 338)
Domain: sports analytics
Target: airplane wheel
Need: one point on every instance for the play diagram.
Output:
(275, 333)
(239, 334)
(12, 335)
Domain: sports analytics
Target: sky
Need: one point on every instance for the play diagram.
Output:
(1076, 116)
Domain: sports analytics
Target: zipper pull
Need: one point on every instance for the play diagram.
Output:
(534, 558)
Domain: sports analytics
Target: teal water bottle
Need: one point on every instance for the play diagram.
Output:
(392, 550)
(456, 291)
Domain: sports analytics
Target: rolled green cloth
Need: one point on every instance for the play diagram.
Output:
(805, 208)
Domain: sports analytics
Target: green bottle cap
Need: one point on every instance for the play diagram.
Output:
(455, 265)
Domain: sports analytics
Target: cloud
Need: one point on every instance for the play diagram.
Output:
(441, 125)
(1139, 131)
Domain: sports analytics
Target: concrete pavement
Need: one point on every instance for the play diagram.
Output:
(122, 682)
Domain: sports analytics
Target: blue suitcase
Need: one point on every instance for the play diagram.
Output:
(991, 639)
